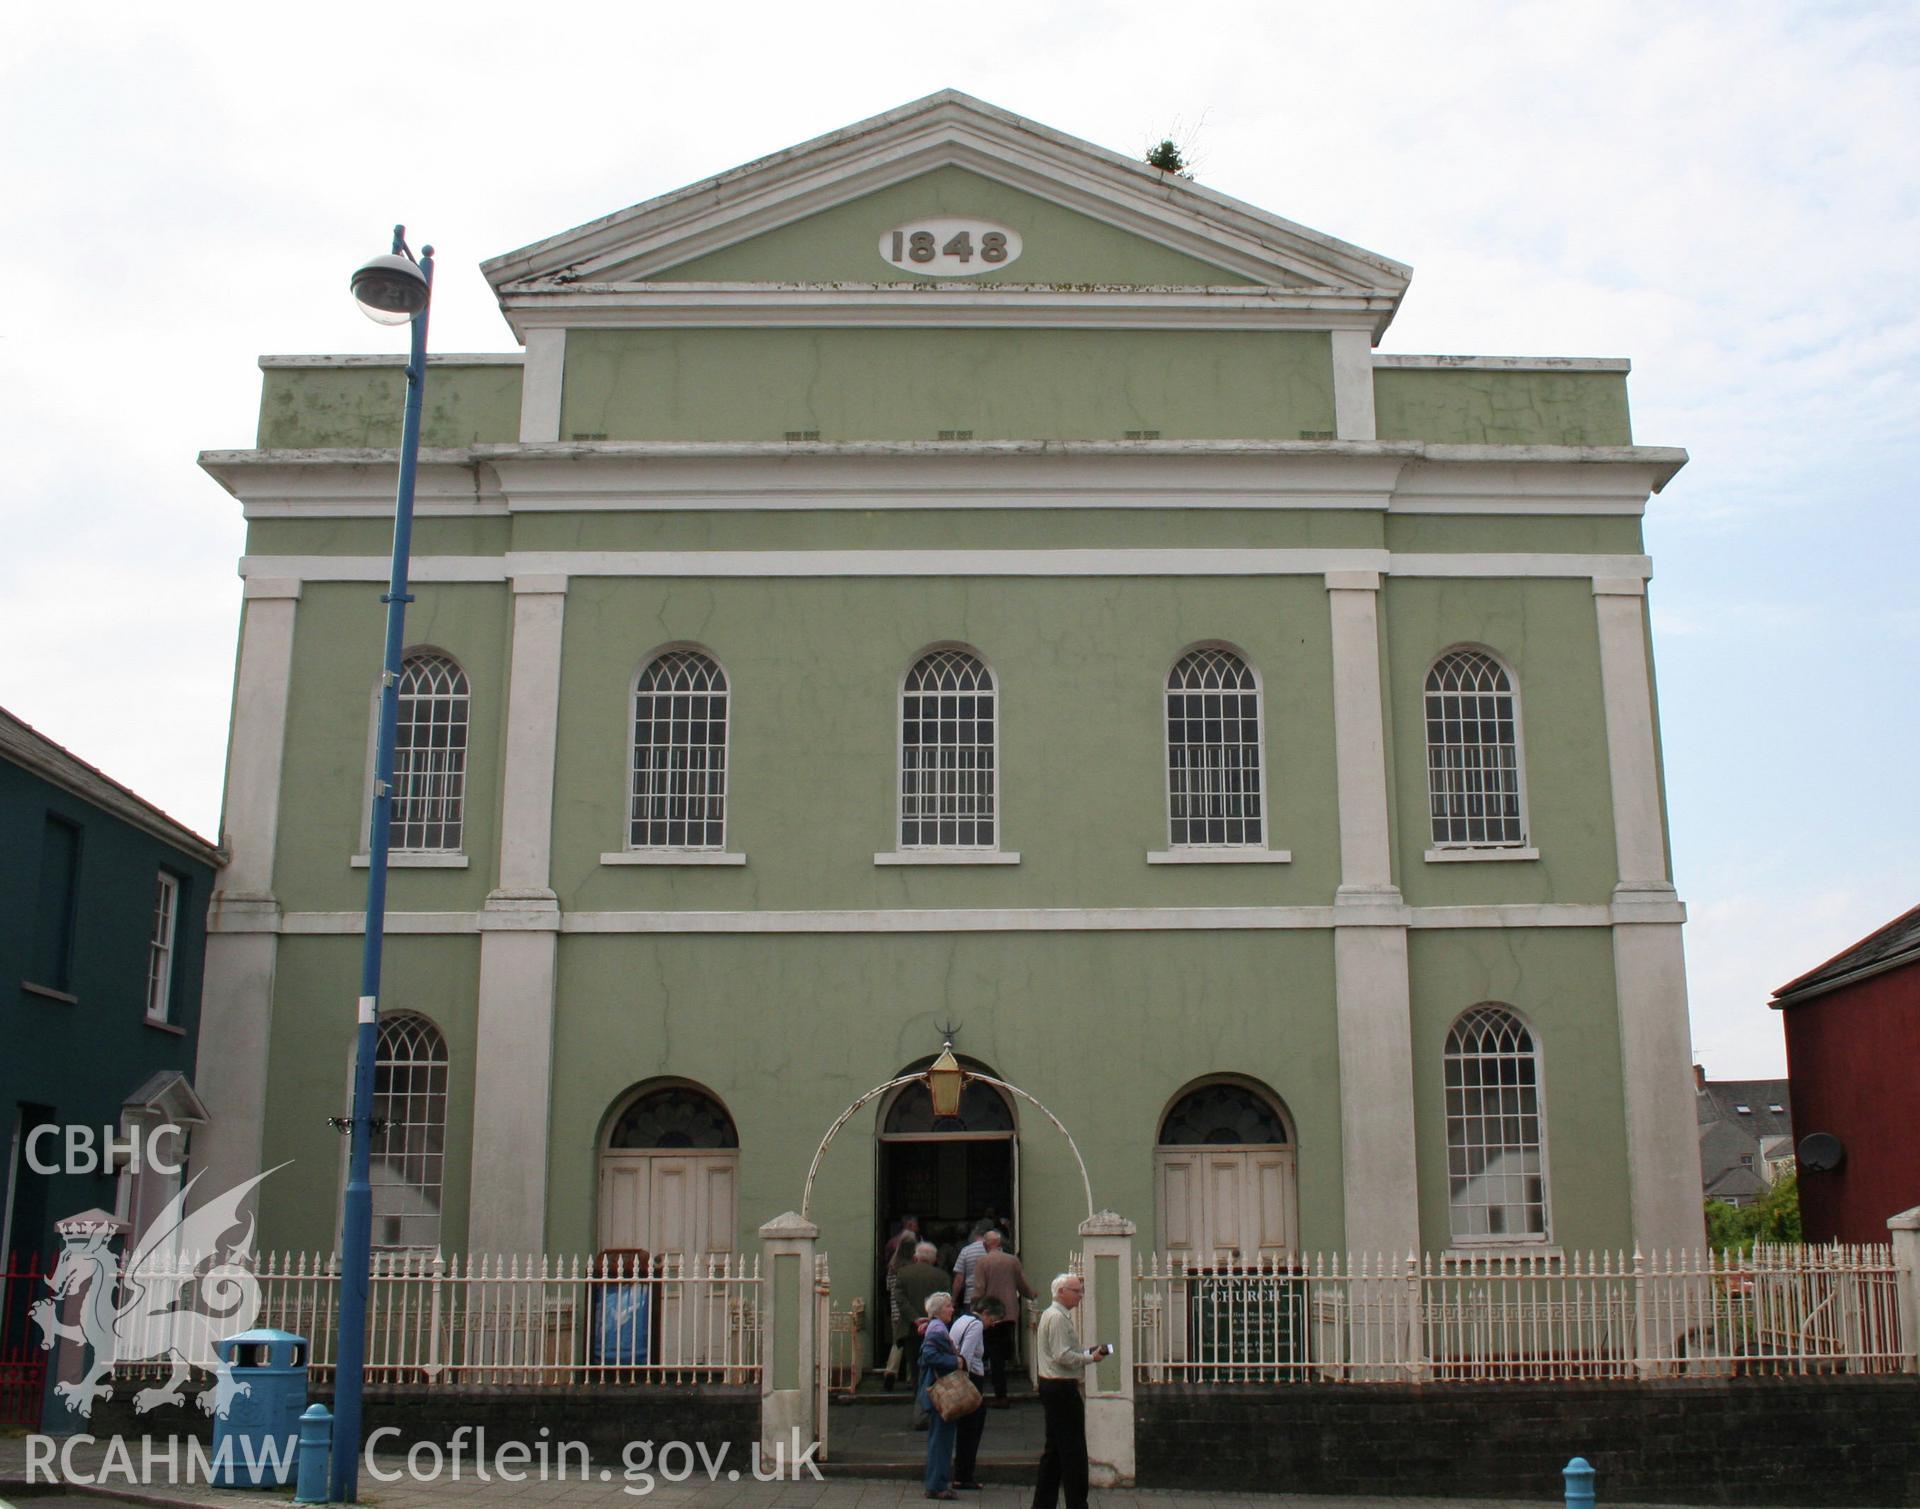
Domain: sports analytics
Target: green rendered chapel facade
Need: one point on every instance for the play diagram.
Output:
(1159, 426)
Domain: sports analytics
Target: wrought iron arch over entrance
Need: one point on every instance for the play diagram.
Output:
(1225, 1172)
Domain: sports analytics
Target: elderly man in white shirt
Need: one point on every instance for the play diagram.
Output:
(1062, 1360)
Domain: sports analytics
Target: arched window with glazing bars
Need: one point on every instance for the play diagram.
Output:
(1214, 792)
(949, 786)
(678, 796)
(1496, 1141)
(1473, 753)
(410, 1149)
(427, 814)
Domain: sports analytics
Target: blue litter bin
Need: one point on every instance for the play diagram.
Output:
(256, 1444)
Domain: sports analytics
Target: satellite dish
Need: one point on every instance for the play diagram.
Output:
(1820, 1152)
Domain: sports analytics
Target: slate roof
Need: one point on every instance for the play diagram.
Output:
(1728, 1134)
(34, 752)
(1891, 945)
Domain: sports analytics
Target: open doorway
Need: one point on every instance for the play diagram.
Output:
(949, 1174)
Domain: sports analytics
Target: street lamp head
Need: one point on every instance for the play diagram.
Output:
(390, 290)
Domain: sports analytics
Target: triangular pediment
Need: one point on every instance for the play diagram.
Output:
(820, 214)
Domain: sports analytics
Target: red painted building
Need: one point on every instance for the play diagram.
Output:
(1853, 1057)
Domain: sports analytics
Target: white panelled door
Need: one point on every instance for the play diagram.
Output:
(1226, 1204)
(679, 1204)
(680, 1207)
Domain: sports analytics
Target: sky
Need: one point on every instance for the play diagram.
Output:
(1726, 193)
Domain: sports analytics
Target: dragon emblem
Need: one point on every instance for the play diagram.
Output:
(182, 1288)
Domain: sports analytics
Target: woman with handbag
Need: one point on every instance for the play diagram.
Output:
(969, 1335)
(939, 1395)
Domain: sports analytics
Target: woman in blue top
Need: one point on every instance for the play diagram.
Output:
(938, 1357)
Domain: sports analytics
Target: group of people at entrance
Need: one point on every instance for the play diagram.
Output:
(944, 1324)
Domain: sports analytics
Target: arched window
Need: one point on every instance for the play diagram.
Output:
(679, 793)
(948, 762)
(1213, 752)
(671, 1117)
(1496, 1153)
(409, 1151)
(429, 756)
(1473, 753)
(1222, 1115)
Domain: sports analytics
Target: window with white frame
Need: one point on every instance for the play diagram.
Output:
(1473, 753)
(948, 754)
(429, 756)
(409, 1150)
(678, 796)
(1214, 796)
(1496, 1151)
(160, 952)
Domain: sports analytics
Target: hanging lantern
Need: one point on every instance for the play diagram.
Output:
(945, 1079)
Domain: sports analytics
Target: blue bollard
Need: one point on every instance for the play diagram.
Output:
(1579, 1478)
(316, 1446)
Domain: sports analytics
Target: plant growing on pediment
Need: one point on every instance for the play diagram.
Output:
(1166, 155)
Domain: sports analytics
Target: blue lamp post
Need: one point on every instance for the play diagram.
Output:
(392, 290)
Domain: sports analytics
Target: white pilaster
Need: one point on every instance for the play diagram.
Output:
(533, 721)
(1649, 960)
(236, 999)
(1359, 733)
(513, 1054)
(1638, 834)
(1372, 995)
(1106, 1245)
(540, 386)
(257, 746)
(1353, 385)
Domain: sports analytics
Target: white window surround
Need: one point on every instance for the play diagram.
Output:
(1458, 774)
(1205, 784)
(1476, 855)
(673, 857)
(969, 809)
(1475, 1250)
(160, 948)
(411, 859)
(1468, 1046)
(947, 857)
(1220, 856)
(663, 793)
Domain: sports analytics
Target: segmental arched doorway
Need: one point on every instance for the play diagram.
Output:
(1225, 1174)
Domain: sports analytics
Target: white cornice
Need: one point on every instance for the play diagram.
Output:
(949, 129)
(987, 920)
(1396, 476)
(668, 306)
(470, 359)
(945, 563)
(1503, 363)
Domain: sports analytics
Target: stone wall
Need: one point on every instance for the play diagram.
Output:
(1749, 1441)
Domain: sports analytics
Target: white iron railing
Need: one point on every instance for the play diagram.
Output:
(1774, 1311)
(485, 1320)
